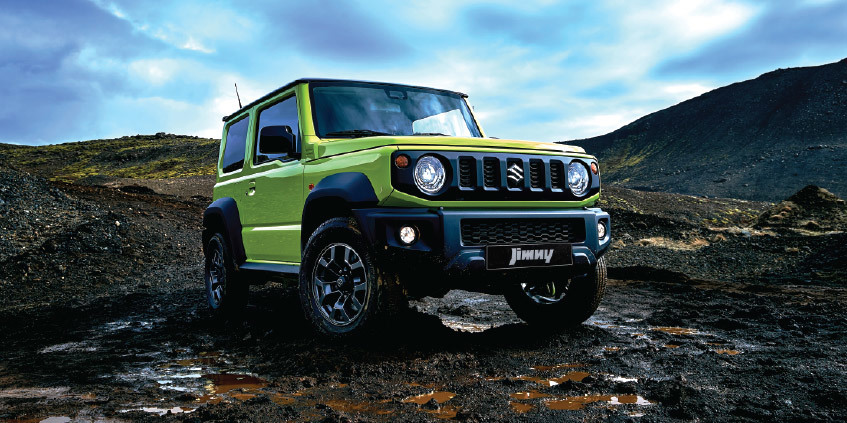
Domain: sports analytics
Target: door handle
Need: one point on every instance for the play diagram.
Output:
(251, 188)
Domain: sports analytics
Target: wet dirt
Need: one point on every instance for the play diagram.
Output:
(143, 348)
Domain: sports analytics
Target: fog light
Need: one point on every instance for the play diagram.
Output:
(408, 235)
(601, 230)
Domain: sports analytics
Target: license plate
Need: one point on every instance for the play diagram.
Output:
(533, 255)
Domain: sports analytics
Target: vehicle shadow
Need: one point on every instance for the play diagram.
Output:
(276, 317)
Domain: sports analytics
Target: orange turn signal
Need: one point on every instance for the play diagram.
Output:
(594, 168)
(401, 161)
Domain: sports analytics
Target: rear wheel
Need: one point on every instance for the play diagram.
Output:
(556, 303)
(342, 290)
(226, 292)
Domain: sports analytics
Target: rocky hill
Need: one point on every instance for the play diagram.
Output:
(761, 139)
(141, 156)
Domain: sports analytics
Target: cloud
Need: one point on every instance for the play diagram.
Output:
(786, 34)
(49, 95)
(539, 69)
(545, 25)
(335, 30)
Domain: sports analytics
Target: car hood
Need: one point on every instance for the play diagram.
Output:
(339, 146)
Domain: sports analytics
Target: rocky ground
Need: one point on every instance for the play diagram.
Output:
(719, 310)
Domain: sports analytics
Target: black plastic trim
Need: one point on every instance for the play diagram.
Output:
(288, 269)
(225, 210)
(346, 190)
(353, 187)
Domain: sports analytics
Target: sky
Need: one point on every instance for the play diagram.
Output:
(541, 70)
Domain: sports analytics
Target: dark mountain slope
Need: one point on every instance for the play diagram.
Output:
(761, 139)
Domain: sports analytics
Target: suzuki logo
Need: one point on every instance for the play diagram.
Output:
(515, 175)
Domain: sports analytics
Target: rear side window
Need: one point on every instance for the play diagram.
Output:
(282, 113)
(236, 138)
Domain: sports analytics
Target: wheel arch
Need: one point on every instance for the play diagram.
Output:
(222, 215)
(336, 195)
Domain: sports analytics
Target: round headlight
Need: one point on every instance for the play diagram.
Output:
(577, 178)
(429, 175)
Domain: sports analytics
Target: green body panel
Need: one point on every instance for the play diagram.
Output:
(271, 196)
(375, 163)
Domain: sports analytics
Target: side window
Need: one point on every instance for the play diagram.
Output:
(236, 139)
(283, 113)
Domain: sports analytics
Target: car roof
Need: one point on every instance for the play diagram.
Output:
(308, 80)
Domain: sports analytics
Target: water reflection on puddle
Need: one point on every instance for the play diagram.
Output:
(223, 383)
(570, 376)
(557, 367)
(469, 327)
(352, 407)
(675, 330)
(160, 411)
(578, 402)
(529, 395)
(439, 397)
(519, 402)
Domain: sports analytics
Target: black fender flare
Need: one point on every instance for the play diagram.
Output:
(348, 190)
(224, 211)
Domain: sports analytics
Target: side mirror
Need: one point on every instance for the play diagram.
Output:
(276, 140)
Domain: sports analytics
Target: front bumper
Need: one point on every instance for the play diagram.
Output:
(440, 248)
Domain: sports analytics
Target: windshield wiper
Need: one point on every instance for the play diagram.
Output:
(355, 133)
(435, 134)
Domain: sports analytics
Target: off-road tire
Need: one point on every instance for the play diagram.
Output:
(382, 299)
(226, 290)
(583, 296)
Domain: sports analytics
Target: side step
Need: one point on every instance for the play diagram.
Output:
(261, 272)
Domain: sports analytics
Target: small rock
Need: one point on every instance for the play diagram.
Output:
(792, 250)
(430, 405)
(812, 225)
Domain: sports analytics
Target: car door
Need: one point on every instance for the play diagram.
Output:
(273, 198)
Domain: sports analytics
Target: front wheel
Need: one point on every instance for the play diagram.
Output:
(342, 291)
(226, 293)
(556, 303)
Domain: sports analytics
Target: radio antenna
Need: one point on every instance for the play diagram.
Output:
(239, 97)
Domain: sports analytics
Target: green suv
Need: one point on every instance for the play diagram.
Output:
(371, 193)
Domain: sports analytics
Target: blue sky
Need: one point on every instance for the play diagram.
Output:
(543, 70)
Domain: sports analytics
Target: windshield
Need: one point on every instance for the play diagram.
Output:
(350, 110)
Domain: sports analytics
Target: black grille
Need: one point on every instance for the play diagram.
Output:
(491, 172)
(557, 174)
(536, 173)
(525, 231)
(467, 172)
